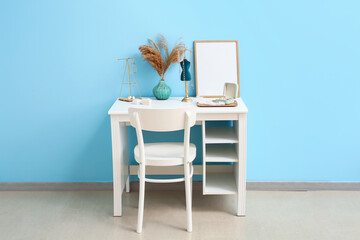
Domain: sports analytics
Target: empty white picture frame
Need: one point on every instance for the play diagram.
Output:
(216, 62)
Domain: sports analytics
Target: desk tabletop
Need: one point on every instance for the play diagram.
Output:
(121, 107)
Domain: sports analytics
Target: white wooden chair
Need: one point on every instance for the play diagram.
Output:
(164, 154)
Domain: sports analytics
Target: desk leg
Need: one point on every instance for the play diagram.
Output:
(120, 153)
(240, 168)
(127, 187)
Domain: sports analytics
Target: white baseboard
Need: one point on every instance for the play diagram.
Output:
(55, 186)
(108, 186)
(250, 185)
(303, 186)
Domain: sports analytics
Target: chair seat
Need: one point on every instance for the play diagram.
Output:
(165, 154)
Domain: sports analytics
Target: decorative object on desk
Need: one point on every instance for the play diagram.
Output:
(146, 101)
(230, 93)
(210, 102)
(136, 101)
(130, 68)
(162, 91)
(127, 99)
(161, 61)
(185, 76)
(230, 90)
(216, 62)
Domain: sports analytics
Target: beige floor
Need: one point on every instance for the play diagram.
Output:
(270, 215)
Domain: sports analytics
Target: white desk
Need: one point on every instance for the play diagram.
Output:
(219, 145)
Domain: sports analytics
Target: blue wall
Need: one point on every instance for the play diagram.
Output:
(299, 74)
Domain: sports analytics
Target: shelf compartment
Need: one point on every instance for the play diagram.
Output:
(221, 153)
(220, 135)
(220, 184)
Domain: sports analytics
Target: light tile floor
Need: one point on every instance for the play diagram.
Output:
(270, 215)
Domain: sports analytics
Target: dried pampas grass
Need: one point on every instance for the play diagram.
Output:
(164, 45)
(175, 55)
(162, 61)
(153, 57)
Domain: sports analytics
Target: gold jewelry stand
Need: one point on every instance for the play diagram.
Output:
(130, 68)
(186, 98)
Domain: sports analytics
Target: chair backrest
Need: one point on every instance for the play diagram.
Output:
(162, 120)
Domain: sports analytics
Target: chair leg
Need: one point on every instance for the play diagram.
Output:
(188, 196)
(141, 198)
(191, 183)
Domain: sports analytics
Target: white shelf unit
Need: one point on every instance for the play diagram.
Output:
(220, 147)
(220, 135)
(220, 184)
(221, 153)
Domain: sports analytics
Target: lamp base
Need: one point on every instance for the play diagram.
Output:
(186, 99)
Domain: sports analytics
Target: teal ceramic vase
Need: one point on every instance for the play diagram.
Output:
(162, 91)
